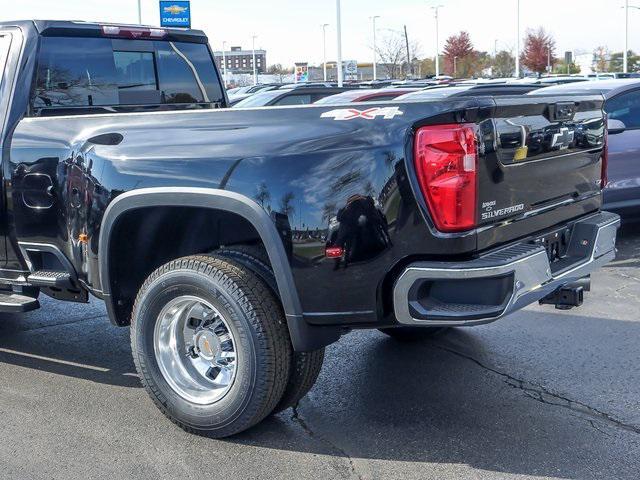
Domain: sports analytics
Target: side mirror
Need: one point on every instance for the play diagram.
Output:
(615, 126)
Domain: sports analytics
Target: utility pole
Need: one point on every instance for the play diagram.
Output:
(455, 67)
(409, 65)
(375, 52)
(255, 69)
(324, 49)
(224, 63)
(435, 9)
(548, 58)
(139, 12)
(518, 40)
(339, 29)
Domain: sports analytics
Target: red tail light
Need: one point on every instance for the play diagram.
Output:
(446, 160)
(333, 252)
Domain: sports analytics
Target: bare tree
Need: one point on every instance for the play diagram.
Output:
(280, 72)
(601, 56)
(263, 196)
(286, 204)
(392, 51)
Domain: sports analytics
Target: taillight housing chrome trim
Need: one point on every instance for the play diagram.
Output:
(446, 164)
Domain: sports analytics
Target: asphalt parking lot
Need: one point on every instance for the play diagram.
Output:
(544, 393)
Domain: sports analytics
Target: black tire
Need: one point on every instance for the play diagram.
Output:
(262, 338)
(413, 334)
(305, 366)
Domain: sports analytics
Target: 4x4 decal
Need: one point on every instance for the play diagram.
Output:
(386, 113)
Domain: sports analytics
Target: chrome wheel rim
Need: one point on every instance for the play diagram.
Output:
(196, 350)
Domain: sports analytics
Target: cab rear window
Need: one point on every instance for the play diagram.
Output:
(82, 75)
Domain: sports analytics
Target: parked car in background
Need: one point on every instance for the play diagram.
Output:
(289, 96)
(445, 91)
(356, 96)
(622, 194)
(246, 92)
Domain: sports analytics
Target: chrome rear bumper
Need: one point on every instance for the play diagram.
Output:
(501, 282)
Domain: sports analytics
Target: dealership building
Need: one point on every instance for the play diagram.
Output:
(241, 61)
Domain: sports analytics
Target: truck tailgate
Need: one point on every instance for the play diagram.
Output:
(540, 164)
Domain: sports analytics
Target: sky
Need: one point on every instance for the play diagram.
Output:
(290, 30)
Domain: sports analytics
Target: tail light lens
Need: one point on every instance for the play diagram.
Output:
(333, 252)
(446, 161)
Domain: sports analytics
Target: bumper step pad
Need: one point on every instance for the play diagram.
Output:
(11, 302)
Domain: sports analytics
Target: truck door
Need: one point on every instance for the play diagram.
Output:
(5, 95)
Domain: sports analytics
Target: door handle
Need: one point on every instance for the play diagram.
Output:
(107, 139)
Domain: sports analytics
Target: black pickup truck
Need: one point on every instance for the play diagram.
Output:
(238, 243)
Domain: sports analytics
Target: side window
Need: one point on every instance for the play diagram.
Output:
(626, 108)
(74, 73)
(294, 100)
(136, 78)
(94, 72)
(186, 73)
(5, 43)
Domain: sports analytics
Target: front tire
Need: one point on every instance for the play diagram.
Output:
(210, 345)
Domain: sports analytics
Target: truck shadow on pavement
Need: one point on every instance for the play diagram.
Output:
(83, 348)
(443, 402)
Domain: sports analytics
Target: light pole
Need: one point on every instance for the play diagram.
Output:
(139, 12)
(375, 53)
(518, 39)
(339, 59)
(549, 57)
(435, 9)
(324, 49)
(626, 35)
(224, 63)
(455, 67)
(255, 70)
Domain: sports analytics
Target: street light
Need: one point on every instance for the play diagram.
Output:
(518, 39)
(435, 9)
(324, 49)
(375, 53)
(626, 35)
(455, 66)
(339, 30)
(255, 70)
(139, 12)
(224, 63)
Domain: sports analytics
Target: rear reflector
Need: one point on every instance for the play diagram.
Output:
(446, 163)
(133, 32)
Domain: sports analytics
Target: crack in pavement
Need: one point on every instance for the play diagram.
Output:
(298, 419)
(544, 395)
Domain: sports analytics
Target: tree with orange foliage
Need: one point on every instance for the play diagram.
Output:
(460, 58)
(539, 50)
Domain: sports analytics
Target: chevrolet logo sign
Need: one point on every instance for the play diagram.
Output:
(174, 10)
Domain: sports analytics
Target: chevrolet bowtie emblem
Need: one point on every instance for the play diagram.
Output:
(174, 9)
